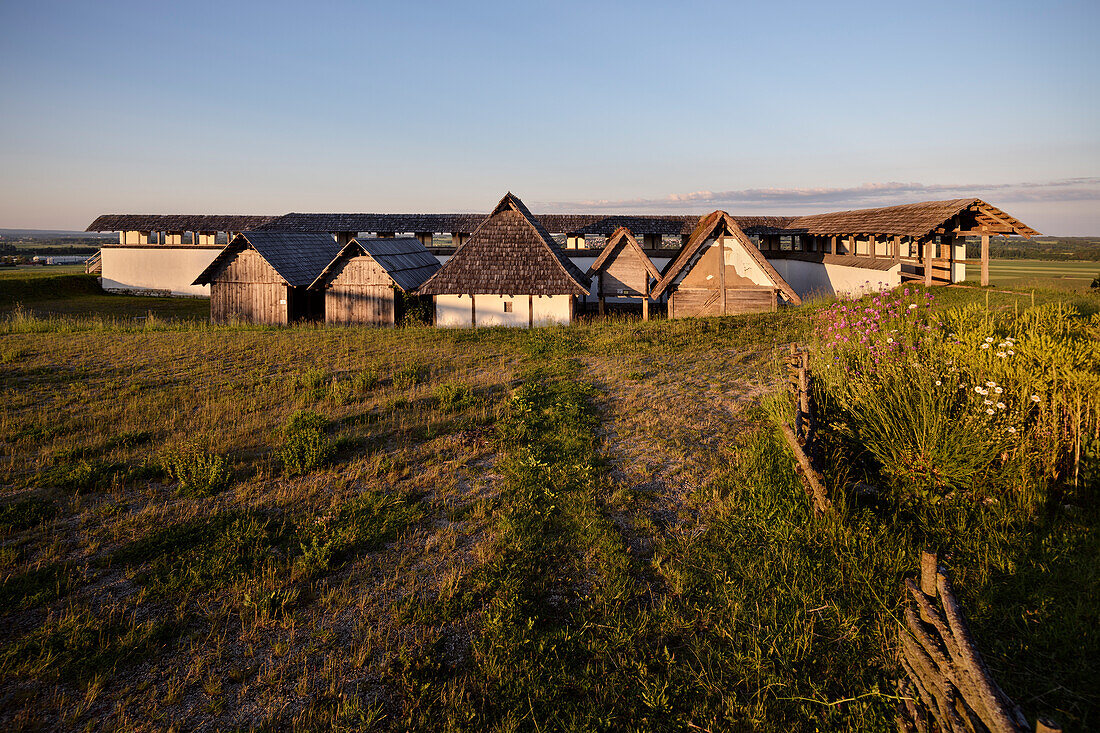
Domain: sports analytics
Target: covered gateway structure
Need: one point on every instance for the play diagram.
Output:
(926, 239)
(264, 277)
(371, 281)
(509, 273)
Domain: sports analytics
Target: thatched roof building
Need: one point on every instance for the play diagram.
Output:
(510, 253)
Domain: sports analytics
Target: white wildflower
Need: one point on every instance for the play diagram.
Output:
(1034, 398)
(985, 346)
(999, 390)
(1012, 430)
(889, 341)
(1000, 405)
(912, 306)
(1001, 354)
(989, 412)
(989, 339)
(938, 383)
(979, 390)
(987, 402)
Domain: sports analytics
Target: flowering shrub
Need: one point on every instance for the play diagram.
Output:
(943, 400)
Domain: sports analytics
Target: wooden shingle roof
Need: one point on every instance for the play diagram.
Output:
(907, 220)
(176, 223)
(405, 260)
(620, 239)
(716, 224)
(298, 257)
(510, 253)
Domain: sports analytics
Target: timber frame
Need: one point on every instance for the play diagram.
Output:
(624, 270)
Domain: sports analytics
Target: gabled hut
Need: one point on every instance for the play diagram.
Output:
(718, 271)
(264, 277)
(623, 270)
(509, 273)
(371, 280)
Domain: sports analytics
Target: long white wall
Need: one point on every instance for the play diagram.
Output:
(454, 311)
(817, 278)
(160, 270)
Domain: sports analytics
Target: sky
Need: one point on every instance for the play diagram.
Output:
(654, 107)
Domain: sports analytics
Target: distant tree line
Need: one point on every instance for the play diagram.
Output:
(1017, 248)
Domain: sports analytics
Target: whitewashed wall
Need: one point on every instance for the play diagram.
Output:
(453, 311)
(816, 278)
(159, 270)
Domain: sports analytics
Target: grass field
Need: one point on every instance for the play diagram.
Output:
(1068, 275)
(583, 528)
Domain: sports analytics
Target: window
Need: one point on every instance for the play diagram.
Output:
(507, 306)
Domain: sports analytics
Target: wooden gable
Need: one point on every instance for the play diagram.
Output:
(623, 268)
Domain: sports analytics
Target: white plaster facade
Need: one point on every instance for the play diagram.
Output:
(818, 278)
(156, 270)
(456, 311)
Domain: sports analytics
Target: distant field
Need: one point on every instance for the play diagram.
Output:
(1039, 273)
(36, 271)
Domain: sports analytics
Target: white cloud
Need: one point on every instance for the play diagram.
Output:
(776, 200)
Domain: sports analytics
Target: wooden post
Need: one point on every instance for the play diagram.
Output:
(832, 244)
(851, 244)
(928, 247)
(897, 249)
(985, 259)
(473, 312)
(928, 567)
(599, 291)
(871, 245)
(645, 300)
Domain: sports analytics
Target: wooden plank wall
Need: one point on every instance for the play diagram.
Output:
(688, 302)
(248, 289)
(625, 274)
(362, 292)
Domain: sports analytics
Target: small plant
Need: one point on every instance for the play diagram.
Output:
(25, 513)
(305, 445)
(311, 382)
(366, 380)
(407, 377)
(454, 396)
(199, 471)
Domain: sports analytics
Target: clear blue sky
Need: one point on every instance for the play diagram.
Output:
(270, 107)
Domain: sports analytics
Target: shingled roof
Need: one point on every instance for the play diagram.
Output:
(716, 224)
(510, 253)
(176, 223)
(907, 220)
(298, 257)
(405, 260)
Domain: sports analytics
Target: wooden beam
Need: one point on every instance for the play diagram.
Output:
(928, 246)
(832, 244)
(985, 259)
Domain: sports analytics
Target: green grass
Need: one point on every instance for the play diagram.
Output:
(1062, 275)
(593, 527)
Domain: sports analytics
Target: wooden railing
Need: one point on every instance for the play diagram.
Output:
(947, 685)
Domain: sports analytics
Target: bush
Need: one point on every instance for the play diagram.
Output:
(305, 445)
(199, 471)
